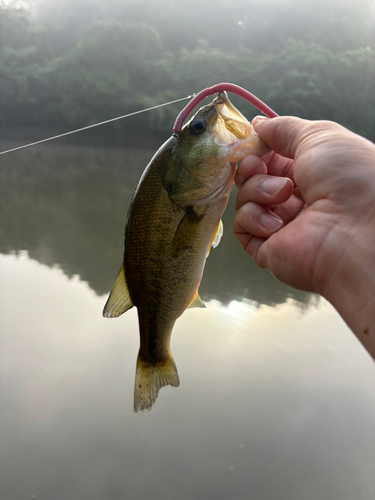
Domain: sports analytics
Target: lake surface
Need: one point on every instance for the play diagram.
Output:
(277, 397)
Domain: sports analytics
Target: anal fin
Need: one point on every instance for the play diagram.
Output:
(119, 300)
(196, 302)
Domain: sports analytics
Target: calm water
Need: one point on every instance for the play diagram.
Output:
(277, 398)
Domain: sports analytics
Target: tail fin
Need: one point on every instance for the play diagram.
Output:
(149, 379)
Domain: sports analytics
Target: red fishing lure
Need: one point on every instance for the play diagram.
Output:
(221, 87)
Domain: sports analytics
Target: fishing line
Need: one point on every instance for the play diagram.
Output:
(96, 124)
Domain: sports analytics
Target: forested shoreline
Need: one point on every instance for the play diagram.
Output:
(68, 67)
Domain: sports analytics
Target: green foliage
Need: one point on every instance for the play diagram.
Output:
(75, 63)
(106, 72)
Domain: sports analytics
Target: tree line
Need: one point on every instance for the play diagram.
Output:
(68, 64)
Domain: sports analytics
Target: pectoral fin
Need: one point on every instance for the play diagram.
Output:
(218, 235)
(185, 237)
(119, 300)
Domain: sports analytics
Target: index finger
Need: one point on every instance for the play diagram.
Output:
(282, 134)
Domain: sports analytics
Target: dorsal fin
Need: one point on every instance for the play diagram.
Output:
(119, 300)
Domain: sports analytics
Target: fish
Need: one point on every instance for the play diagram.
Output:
(173, 221)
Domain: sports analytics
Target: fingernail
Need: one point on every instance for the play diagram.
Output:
(273, 185)
(270, 222)
(259, 118)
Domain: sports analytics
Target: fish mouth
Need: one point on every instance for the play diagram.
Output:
(235, 132)
(234, 121)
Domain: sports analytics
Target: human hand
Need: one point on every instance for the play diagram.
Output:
(328, 173)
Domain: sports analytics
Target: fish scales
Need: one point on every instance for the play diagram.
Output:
(163, 258)
(172, 221)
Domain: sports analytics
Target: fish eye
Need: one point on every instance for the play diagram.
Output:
(197, 126)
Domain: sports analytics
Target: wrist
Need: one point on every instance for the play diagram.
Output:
(350, 287)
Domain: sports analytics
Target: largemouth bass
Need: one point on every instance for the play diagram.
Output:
(173, 220)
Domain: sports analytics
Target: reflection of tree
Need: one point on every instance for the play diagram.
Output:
(67, 206)
(230, 274)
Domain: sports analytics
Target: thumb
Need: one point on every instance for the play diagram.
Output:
(282, 134)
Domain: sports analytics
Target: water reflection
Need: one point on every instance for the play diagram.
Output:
(66, 205)
(273, 402)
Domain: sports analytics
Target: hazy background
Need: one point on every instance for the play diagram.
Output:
(69, 63)
(277, 396)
